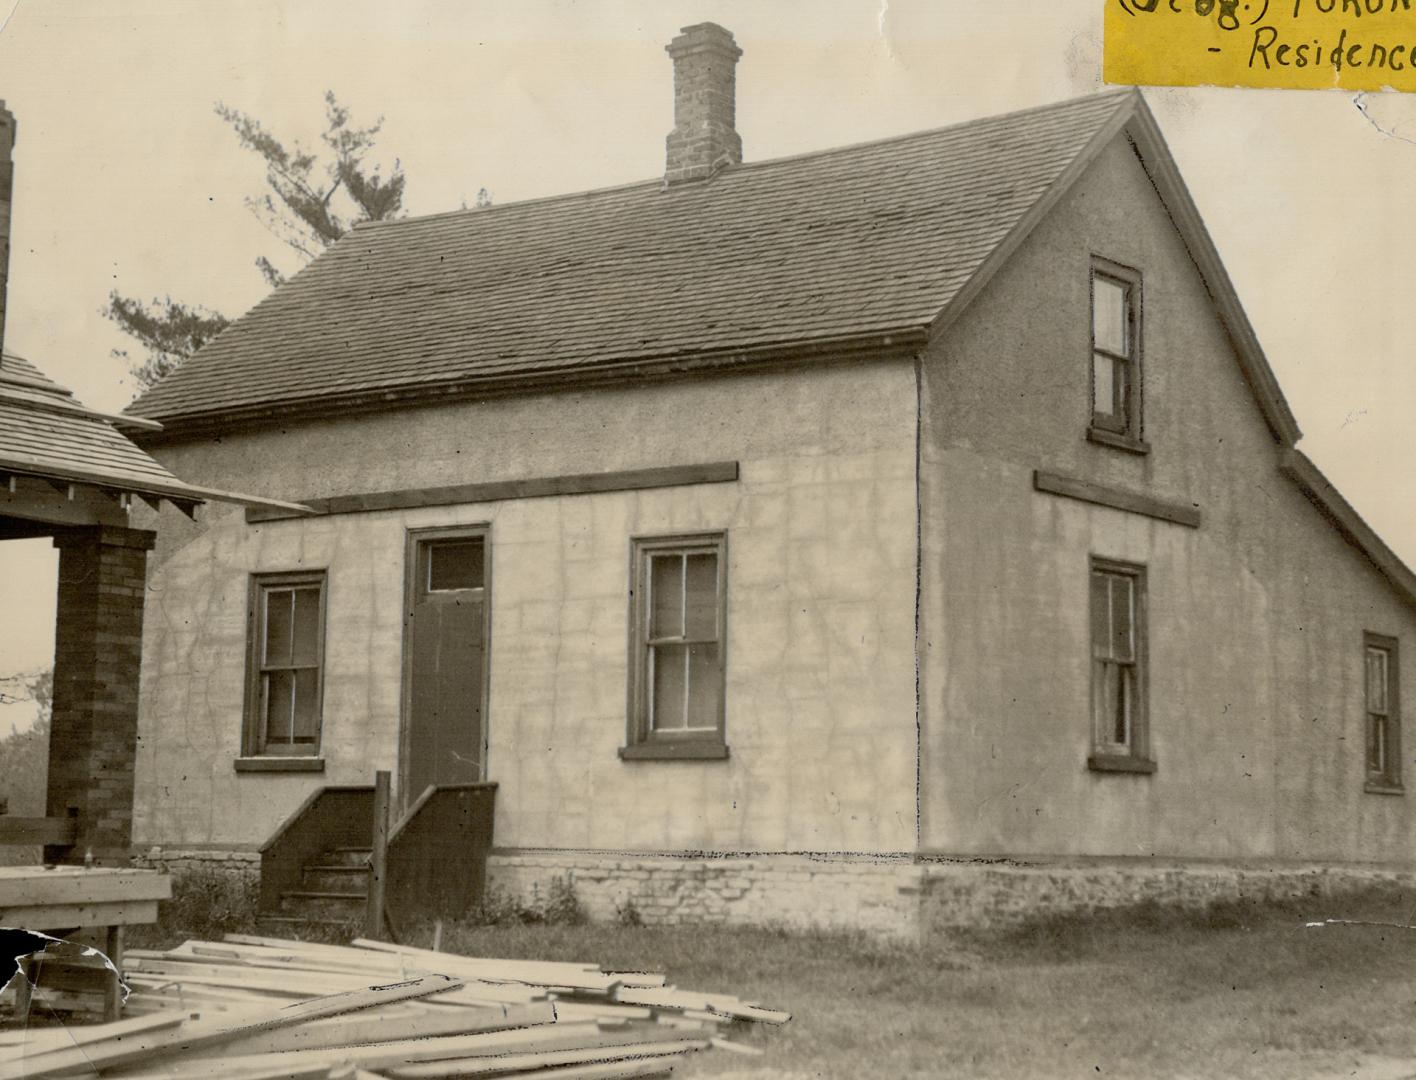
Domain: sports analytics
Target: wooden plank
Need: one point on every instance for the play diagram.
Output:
(515, 1063)
(38, 830)
(538, 972)
(657, 1065)
(34, 1041)
(716, 472)
(1117, 499)
(22, 886)
(365, 1027)
(69, 916)
(155, 1045)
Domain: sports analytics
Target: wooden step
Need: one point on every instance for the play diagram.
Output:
(332, 877)
(316, 905)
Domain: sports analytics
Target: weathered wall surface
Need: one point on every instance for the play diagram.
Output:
(820, 694)
(1256, 618)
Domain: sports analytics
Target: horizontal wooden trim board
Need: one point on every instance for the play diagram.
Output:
(539, 487)
(1116, 498)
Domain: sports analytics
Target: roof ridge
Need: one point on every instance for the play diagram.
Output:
(749, 166)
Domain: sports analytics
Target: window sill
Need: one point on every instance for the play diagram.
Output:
(1380, 787)
(280, 764)
(1119, 763)
(1117, 441)
(674, 751)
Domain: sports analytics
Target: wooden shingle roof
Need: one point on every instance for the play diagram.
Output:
(873, 239)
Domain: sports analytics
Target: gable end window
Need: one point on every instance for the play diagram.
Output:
(1115, 355)
(1383, 703)
(678, 614)
(285, 665)
(1120, 733)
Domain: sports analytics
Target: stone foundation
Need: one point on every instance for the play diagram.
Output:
(879, 896)
(178, 861)
(972, 894)
(899, 897)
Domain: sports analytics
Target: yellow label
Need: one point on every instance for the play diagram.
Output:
(1284, 44)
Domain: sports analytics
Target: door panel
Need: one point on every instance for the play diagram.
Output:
(447, 647)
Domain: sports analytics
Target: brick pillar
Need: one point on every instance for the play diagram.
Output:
(98, 644)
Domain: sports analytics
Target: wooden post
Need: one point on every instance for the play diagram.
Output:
(113, 996)
(378, 859)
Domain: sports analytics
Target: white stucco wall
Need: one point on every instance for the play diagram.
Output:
(821, 580)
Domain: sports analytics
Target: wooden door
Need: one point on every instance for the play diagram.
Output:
(445, 734)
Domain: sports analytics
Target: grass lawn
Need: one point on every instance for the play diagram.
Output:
(1234, 992)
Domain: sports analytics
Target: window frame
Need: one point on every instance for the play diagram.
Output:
(254, 753)
(643, 742)
(1107, 755)
(1102, 427)
(1386, 780)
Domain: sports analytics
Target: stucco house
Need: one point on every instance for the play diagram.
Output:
(787, 540)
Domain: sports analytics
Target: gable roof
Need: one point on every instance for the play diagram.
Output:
(848, 245)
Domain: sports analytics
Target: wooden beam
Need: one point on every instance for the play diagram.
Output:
(1117, 499)
(378, 857)
(157, 1045)
(539, 487)
(21, 886)
(38, 830)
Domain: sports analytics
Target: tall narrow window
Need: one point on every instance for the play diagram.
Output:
(1120, 739)
(1383, 715)
(285, 661)
(677, 647)
(1116, 351)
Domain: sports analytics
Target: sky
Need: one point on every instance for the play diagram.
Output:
(126, 178)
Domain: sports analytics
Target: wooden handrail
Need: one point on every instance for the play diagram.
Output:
(437, 852)
(331, 817)
(50, 831)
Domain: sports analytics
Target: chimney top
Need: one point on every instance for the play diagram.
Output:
(7, 186)
(705, 136)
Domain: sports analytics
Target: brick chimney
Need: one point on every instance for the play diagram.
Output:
(7, 188)
(704, 138)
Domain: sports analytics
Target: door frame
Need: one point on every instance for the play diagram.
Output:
(412, 539)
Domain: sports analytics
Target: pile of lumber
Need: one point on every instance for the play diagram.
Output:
(252, 1008)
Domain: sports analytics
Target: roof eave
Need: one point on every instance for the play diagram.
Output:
(1344, 517)
(883, 344)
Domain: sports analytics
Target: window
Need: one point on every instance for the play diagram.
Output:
(286, 651)
(677, 610)
(1118, 647)
(1116, 355)
(1383, 715)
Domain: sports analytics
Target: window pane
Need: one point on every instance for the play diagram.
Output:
(666, 596)
(1376, 680)
(1109, 316)
(305, 723)
(668, 670)
(455, 564)
(1101, 615)
(1122, 617)
(705, 685)
(279, 692)
(1104, 385)
(701, 573)
(305, 644)
(1125, 700)
(278, 626)
(1377, 744)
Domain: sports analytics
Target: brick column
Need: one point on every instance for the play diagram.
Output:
(98, 645)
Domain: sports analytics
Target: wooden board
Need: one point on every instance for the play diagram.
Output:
(36, 886)
(71, 916)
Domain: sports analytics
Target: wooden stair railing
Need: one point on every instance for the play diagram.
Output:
(436, 863)
(331, 818)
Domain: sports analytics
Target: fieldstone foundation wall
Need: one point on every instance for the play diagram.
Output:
(177, 861)
(879, 896)
(899, 897)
